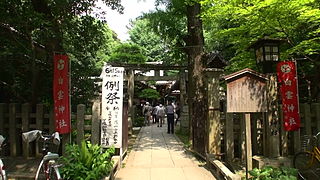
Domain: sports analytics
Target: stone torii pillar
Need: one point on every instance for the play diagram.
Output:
(213, 121)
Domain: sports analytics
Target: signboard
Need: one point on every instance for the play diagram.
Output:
(61, 93)
(112, 104)
(246, 91)
(287, 77)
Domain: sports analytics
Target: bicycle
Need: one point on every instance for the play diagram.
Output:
(48, 169)
(308, 161)
(3, 175)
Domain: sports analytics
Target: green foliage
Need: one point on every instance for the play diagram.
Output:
(31, 31)
(128, 53)
(138, 121)
(231, 26)
(149, 94)
(86, 162)
(270, 173)
(142, 34)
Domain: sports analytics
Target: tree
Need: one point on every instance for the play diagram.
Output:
(32, 30)
(142, 34)
(128, 53)
(234, 25)
(191, 41)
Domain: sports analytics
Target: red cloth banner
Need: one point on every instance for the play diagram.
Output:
(287, 77)
(61, 93)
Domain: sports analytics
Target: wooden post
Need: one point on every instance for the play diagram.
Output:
(213, 121)
(248, 143)
(39, 124)
(95, 125)
(184, 112)
(307, 117)
(2, 112)
(254, 135)
(273, 137)
(242, 143)
(130, 100)
(80, 123)
(316, 110)
(25, 127)
(229, 137)
(12, 129)
(52, 122)
(296, 141)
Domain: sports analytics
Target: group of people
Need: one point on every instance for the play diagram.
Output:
(158, 113)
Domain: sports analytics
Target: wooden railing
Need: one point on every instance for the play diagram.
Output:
(16, 119)
(289, 142)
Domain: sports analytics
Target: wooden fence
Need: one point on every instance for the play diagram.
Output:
(18, 118)
(233, 141)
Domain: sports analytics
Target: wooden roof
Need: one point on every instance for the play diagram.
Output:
(243, 72)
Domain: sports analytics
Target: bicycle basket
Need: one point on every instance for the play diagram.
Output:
(51, 146)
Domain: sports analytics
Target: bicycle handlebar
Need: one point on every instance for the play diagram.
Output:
(35, 134)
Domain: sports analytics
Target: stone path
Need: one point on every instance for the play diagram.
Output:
(160, 156)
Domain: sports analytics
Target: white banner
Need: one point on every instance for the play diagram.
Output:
(112, 102)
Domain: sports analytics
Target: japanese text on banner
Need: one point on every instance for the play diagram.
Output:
(61, 94)
(112, 102)
(287, 77)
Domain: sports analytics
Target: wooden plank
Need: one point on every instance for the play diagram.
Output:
(12, 129)
(296, 141)
(130, 101)
(80, 123)
(316, 111)
(254, 134)
(229, 137)
(156, 78)
(39, 124)
(25, 122)
(2, 117)
(307, 118)
(248, 142)
(52, 122)
(95, 132)
(242, 137)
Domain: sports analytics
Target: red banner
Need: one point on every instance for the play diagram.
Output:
(287, 76)
(61, 93)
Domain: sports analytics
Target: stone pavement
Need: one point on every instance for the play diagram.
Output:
(160, 156)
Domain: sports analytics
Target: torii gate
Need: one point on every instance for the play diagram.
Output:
(213, 139)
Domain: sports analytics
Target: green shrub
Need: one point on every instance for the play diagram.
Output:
(272, 173)
(86, 162)
(138, 122)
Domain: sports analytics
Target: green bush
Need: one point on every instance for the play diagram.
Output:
(86, 162)
(138, 122)
(272, 173)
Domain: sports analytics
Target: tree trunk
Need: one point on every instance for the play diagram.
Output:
(197, 93)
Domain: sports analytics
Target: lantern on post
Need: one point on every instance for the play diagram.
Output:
(267, 53)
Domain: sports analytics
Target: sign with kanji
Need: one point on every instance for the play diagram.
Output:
(287, 77)
(61, 93)
(112, 104)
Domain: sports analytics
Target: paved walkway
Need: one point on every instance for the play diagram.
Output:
(160, 156)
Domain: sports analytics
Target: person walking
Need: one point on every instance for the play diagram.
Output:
(154, 114)
(170, 117)
(146, 110)
(160, 115)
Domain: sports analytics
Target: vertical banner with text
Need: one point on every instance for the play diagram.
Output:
(61, 93)
(287, 76)
(112, 104)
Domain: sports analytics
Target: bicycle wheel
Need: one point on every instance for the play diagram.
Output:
(54, 173)
(303, 161)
